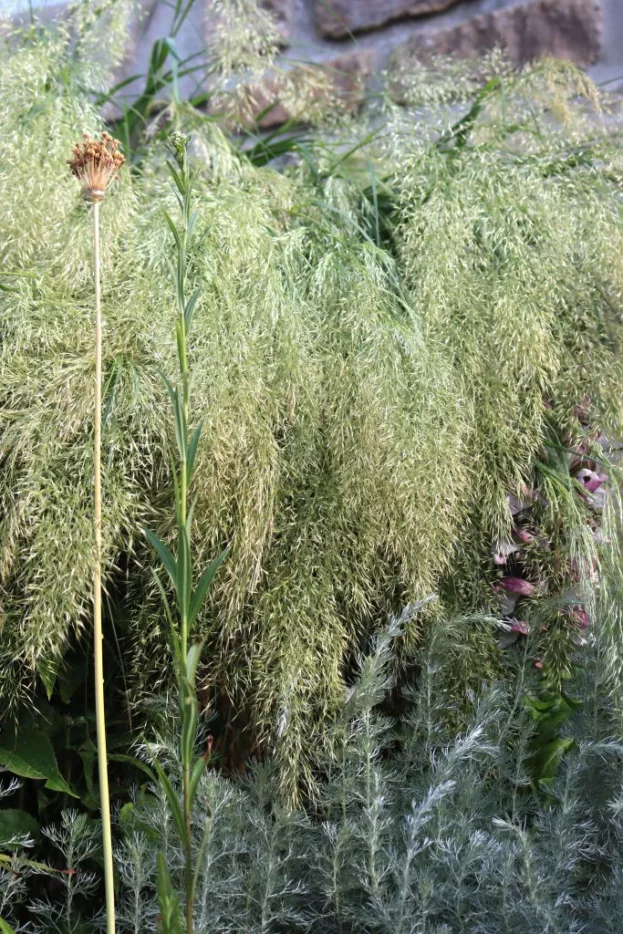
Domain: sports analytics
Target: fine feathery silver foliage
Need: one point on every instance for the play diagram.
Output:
(414, 829)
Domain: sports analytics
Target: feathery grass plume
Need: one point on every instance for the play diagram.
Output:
(508, 235)
(368, 401)
(95, 163)
(101, 29)
(243, 37)
(243, 42)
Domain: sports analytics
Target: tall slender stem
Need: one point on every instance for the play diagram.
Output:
(102, 758)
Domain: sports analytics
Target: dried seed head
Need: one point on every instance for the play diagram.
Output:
(95, 164)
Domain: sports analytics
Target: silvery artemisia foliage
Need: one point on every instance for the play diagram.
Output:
(412, 829)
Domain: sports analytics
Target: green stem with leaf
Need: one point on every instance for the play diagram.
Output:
(183, 607)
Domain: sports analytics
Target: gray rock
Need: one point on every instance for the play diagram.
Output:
(568, 29)
(338, 19)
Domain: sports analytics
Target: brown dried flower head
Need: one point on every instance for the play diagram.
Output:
(95, 164)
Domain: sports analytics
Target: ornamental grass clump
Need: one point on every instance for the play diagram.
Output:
(95, 164)
(382, 347)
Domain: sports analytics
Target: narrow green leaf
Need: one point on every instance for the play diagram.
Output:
(165, 887)
(172, 798)
(191, 453)
(5, 927)
(190, 717)
(177, 178)
(180, 427)
(192, 661)
(192, 220)
(174, 230)
(190, 516)
(170, 921)
(195, 776)
(189, 310)
(132, 760)
(202, 587)
(164, 553)
(171, 390)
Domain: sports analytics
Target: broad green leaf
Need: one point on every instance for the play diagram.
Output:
(547, 759)
(47, 669)
(71, 678)
(88, 754)
(32, 756)
(202, 587)
(16, 823)
(5, 927)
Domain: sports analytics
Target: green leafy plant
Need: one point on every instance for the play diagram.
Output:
(188, 596)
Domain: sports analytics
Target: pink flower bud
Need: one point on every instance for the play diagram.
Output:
(516, 585)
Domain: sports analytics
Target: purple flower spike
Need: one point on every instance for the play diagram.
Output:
(517, 585)
(519, 626)
(590, 480)
(581, 617)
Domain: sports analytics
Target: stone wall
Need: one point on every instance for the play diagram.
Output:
(354, 39)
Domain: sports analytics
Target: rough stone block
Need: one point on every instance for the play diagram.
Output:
(282, 12)
(568, 29)
(337, 19)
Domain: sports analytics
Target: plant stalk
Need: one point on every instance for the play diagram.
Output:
(100, 716)
(187, 764)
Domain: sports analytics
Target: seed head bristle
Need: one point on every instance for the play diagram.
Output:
(95, 164)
